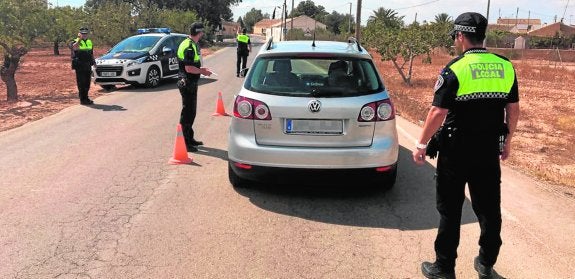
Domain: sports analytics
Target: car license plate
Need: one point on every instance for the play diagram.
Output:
(314, 126)
(108, 74)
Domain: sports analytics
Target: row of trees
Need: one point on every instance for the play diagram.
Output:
(25, 22)
(387, 33)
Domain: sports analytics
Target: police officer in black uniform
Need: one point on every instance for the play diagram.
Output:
(244, 49)
(190, 64)
(476, 99)
(82, 61)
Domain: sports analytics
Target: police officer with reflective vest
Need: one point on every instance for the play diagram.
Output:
(244, 49)
(476, 99)
(82, 62)
(190, 63)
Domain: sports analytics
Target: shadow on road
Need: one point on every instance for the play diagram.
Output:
(107, 107)
(409, 205)
(212, 152)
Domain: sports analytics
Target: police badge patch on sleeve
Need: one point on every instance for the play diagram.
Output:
(438, 83)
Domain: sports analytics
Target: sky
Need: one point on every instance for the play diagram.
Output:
(423, 9)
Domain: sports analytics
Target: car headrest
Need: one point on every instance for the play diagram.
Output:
(282, 65)
(338, 66)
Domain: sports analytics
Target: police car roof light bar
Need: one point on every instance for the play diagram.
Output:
(154, 30)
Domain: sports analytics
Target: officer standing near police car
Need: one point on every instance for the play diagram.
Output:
(190, 63)
(82, 62)
(476, 99)
(244, 49)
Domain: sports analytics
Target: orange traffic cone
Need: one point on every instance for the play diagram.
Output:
(180, 151)
(220, 110)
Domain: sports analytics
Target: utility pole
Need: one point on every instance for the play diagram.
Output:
(291, 16)
(358, 21)
(349, 29)
(487, 17)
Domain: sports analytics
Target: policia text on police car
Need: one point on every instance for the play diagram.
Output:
(476, 99)
(82, 62)
(190, 63)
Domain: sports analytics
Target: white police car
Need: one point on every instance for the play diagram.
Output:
(143, 59)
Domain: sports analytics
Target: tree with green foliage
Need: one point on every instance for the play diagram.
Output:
(64, 24)
(309, 8)
(400, 45)
(178, 20)
(387, 17)
(110, 23)
(212, 11)
(21, 22)
(241, 22)
(338, 23)
(251, 18)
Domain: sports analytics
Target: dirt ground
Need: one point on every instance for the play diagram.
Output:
(543, 144)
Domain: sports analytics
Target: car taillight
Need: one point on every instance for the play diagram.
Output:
(377, 111)
(247, 108)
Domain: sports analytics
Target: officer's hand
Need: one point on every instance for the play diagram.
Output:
(206, 72)
(419, 156)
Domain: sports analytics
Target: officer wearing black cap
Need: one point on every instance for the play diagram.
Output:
(82, 62)
(476, 99)
(190, 63)
(244, 49)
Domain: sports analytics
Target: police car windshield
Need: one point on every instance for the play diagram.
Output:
(136, 44)
(314, 76)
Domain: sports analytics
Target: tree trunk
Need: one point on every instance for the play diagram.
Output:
(56, 47)
(400, 72)
(8, 70)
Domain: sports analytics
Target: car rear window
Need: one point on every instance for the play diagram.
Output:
(314, 76)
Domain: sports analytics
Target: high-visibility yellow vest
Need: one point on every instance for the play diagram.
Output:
(483, 75)
(184, 46)
(84, 45)
(243, 38)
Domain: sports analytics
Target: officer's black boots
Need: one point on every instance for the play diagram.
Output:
(86, 102)
(194, 142)
(485, 272)
(434, 271)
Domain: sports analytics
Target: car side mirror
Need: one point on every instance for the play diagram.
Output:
(166, 50)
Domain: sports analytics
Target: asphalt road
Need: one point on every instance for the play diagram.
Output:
(88, 193)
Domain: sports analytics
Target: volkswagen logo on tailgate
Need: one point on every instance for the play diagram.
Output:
(314, 106)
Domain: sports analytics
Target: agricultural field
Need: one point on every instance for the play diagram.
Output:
(543, 143)
(542, 146)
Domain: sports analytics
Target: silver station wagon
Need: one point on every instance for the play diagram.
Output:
(312, 112)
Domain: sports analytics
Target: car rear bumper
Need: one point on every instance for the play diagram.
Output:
(368, 177)
(383, 151)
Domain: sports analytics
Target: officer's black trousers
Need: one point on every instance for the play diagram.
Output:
(83, 80)
(243, 60)
(480, 169)
(189, 104)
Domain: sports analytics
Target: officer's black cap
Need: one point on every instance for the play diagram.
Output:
(84, 30)
(471, 23)
(196, 28)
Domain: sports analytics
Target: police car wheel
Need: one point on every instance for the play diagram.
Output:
(108, 87)
(153, 77)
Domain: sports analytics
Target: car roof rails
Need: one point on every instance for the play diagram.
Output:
(353, 40)
(154, 30)
(269, 44)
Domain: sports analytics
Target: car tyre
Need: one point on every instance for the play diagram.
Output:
(235, 180)
(153, 77)
(108, 87)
